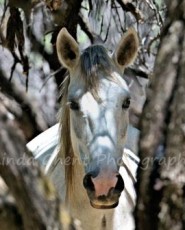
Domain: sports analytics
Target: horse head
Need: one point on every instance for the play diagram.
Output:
(96, 102)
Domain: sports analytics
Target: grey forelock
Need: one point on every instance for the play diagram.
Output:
(94, 59)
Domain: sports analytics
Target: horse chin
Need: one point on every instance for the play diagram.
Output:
(104, 201)
(103, 206)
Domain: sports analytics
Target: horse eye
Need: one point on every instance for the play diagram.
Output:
(74, 105)
(126, 103)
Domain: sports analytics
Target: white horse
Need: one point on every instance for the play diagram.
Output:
(98, 186)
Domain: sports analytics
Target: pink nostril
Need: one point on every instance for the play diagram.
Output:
(102, 185)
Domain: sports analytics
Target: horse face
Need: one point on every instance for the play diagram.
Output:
(98, 114)
(98, 130)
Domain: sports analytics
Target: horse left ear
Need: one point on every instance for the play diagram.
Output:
(127, 49)
(67, 49)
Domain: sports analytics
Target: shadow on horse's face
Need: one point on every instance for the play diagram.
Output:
(98, 98)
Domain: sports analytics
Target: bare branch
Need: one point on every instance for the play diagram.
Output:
(30, 120)
(129, 7)
(85, 28)
(136, 72)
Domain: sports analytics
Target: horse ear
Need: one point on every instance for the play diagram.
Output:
(67, 49)
(127, 49)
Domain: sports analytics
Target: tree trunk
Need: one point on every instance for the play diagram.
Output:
(37, 205)
(161, 175)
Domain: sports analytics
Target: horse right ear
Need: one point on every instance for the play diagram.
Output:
(127, 49)
(67, 49)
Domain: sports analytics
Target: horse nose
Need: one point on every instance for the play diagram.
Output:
(104, 183)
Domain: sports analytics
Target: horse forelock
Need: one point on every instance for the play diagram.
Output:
(93, 61)
(94, 58)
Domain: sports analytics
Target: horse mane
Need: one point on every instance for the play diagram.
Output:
(65, 147)
(93, 60)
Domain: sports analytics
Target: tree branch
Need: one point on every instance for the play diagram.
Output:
(136, 72)
(85, 28)
(30, 120)
(129, 7)
(36, 198)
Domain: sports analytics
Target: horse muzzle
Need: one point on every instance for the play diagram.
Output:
(104, 190)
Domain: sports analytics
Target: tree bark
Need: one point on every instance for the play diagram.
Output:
(161, 175)
(27, 115)
(10, 218)
(38, 206)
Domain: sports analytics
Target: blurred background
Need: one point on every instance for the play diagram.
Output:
(30, 74)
